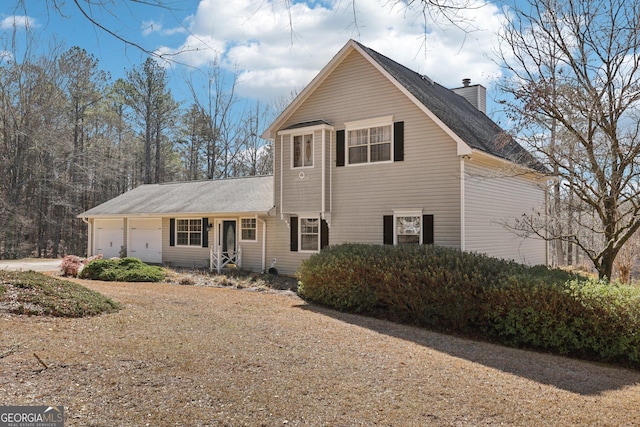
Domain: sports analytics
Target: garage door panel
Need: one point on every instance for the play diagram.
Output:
(145, 240)
(108, 237)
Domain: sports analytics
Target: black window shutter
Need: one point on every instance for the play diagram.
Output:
(427, 229)
(172, 231)
(324, 234)
(293, 226)
(388, 230)
(205, 232)
(398, 141)
(340, 148)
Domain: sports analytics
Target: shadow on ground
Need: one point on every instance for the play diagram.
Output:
(575, 376)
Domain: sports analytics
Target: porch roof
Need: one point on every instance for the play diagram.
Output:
(234, 195)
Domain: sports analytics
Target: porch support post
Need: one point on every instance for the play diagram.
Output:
(219, 259)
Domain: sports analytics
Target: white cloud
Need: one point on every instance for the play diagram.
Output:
(17, 22)
(150, 27)
(277, 49)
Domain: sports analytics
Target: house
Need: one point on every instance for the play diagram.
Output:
(370, 151)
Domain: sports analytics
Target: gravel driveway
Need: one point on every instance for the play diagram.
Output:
(203, 356)
(35, 264)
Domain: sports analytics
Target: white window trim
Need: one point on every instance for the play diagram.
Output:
(188, 232)
(367, 124)
(311, 216)
(403, 213)
(240, 239)
(313, 144)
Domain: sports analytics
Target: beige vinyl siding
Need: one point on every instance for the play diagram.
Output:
(278, 234)
(183, 256)
(198, 257)
(494, 197)
(360, 195)
(302, 187)
(427, 179)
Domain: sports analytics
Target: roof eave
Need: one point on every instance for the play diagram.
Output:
(267, 212)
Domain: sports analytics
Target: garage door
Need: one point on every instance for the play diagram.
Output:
(145, 239)
(108, 237)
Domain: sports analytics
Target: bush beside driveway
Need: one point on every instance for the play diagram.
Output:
(197, 355)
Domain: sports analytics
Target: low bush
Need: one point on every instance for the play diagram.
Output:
(38, 294)
(450, 290)
(122, 270)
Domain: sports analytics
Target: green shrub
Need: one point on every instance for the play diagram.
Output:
(39, 294)
(122, 270)
(446, 289)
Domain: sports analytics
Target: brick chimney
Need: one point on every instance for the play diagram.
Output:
(475, 94)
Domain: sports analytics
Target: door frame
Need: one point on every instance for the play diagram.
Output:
(218, 232)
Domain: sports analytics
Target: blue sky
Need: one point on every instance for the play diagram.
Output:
(274, 49)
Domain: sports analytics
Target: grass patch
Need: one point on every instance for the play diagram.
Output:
(41, 295)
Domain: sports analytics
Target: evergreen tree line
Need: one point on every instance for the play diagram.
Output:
(72, 138)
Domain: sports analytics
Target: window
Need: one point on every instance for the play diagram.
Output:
(248, 229)
(408, 226)
(369, 145)
(189, 232)
(303, 151)
(408, 229)
(309, 234)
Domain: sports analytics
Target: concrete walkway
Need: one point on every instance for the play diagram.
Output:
(35, 264)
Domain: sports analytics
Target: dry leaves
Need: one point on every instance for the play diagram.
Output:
(205, 356)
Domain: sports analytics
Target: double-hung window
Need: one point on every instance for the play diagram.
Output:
(408, 229)
(303, 151)
(189, 232)
(309, 234)
(369, 141)
(248, 229)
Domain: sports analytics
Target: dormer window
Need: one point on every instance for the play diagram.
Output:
(303, 151)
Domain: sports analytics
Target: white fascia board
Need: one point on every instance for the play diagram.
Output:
(270, 132)
(538, 176)
(305, 129)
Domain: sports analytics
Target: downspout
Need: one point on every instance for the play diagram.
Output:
(324, 184)
(89, 236)
(331, 173)
(281, 168)
(462, 205)
(264, 245)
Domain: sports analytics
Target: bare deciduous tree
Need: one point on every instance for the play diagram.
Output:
(577, 63)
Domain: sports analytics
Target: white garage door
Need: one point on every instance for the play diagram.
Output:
(145, 239)
(108, 237)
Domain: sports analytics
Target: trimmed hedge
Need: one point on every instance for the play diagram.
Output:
(449, 290)
(122, 270)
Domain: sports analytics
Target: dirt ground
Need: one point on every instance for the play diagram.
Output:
(203, 356)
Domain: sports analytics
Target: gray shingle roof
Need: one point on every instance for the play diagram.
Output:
(236, 195)
(470, 124)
